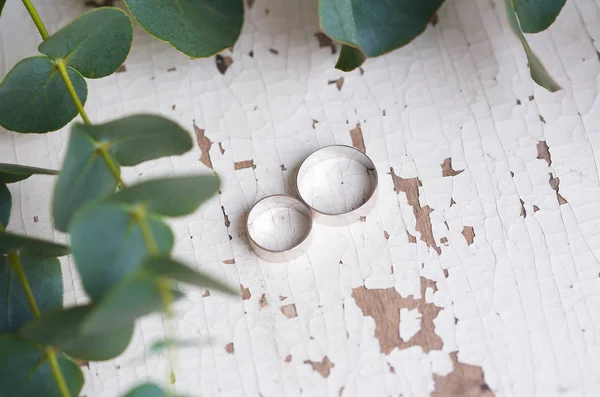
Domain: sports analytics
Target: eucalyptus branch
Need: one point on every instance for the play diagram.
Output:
(15, 263)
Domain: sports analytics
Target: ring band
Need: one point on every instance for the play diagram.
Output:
(275, 209)
(342, 152)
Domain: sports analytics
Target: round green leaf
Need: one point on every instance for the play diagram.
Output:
(147, 390)
(34, 98)
(176, 196)
(135, 139)
(10, 173)
(84, 177)
(5, 205)
(62, 329)
(538, 72)
(96, 43)
(100, 347)
(350, 58)
(2, 2)
(537, 15)
(198, 28)
(25, 370)
(10, 242)
(45, 279)
(107, 244)
(135, 296)
(376, 27)
(167, 267)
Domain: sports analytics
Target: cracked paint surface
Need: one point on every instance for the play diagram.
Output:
(488, 197)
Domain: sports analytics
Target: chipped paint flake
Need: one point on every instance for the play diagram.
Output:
(245, 292)
(469, 233)
(204, 144)
(229, 348)
(338, 83)
(384, 306)
(289, 310)
(240, 165)
(464, 381)
(323, 367)
(223, 63)
(357, 138)
(325, 41)
(447, 169)
(410, 187)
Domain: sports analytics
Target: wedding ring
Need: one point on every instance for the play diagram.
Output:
(339, 185)
(278, 228)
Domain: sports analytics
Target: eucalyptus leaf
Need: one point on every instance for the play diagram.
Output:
(62, 329)
(25, 370)
(5, 205)
(2, 2)
(135, 296)
(175, 196)
(162, 344)
(44, 276)
(135, 139)
(350, 58)
(84, 177)
(96, 43)
(10, 173)
(538, 72)
(10, 242)
(537, 15)
(198, 28)
(100, 347)
(167, 267)
(147, 390)
(57, 327)
(108, 243)
(376, 27)
(34, 98)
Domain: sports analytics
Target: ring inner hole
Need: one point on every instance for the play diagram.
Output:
(279, 225)
(336, 185)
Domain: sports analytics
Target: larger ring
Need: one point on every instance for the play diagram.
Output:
(282, 240)
(352, 166)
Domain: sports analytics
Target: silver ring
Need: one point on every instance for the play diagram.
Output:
(354, 168)
(278, 228)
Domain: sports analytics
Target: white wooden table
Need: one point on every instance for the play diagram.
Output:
(476, 275)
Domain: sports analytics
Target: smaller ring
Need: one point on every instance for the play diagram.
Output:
(315, 167)
(276, 242)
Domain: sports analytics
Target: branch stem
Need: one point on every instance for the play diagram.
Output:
(15, 263)
(36, 19)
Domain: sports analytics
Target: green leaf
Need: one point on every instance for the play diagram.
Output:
(172, 343)
(34, 98)
(350, 58)
(2, 2)
(135, 296)
(96, 43)
(25, 370)
(537, 15)
(167, 267)
(5, 205)
(108, 243)
(13, 242)
(10, 173)
(57, 327)
(62, 329)
(147, 390)
(135, 139)
(538, 72)
(84, 177)
(44, 276)
(198, 28)
(175, 196)
(376, 27)
(100, 347)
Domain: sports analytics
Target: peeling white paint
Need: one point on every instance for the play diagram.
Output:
(521, 301)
